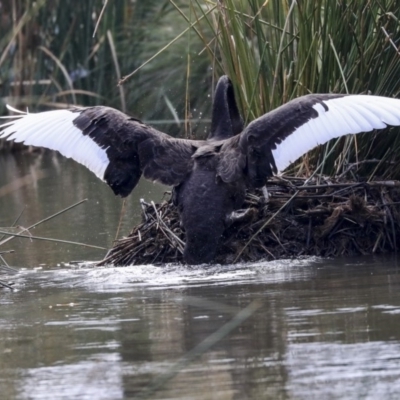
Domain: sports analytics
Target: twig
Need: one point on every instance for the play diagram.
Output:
(42, 221)
(15, 221)
(377, 242)
(9, 269)
(264, 225)
(358, 163)
(6, 252)
(100, 16)
(53, 240)
(390, 41)
(125, 78)
(164, 226)
(4, 261)
(121, 215)
(6, 285)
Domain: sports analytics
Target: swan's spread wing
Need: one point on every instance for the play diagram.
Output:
(106, 141)
(278, 138)
(55, 130)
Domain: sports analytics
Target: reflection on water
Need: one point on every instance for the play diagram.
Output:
(56, 183)
(324, 329)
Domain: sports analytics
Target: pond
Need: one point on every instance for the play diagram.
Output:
(289, 329)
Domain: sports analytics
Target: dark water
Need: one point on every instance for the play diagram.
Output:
(303, 329)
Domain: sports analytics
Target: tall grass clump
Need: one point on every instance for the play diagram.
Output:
(277, 50)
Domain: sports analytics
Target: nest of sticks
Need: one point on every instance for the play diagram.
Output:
(319, 217)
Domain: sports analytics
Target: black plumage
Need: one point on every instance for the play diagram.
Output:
(209, 177)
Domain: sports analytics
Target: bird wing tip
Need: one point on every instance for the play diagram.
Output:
(10, 108)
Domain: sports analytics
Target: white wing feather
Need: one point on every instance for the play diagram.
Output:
(55, 130)
(348, 114)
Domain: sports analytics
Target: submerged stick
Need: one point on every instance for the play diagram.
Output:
(15, 221)
(9, 269)
(53, 240)
(7, 252)
(4, 261)
(41, 221)
(6, 285)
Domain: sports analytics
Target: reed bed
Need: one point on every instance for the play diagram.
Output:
(320, 217)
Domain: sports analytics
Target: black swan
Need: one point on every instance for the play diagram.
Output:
(209, 177)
